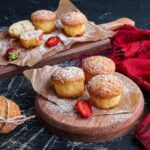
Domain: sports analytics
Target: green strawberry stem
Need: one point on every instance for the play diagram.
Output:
(13, 55)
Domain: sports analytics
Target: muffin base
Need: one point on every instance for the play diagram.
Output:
(105, 103)
(69, 90)
(46, 26)
(31, 42)
(74, 31)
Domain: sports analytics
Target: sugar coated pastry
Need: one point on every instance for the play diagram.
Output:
(74, 24)
(8, 109)
(96, 65)
(105, 91)
(44, 20)
(68, 82)
(17, 28)
(31, 38)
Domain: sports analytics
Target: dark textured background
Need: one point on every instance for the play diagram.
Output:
(31, 135)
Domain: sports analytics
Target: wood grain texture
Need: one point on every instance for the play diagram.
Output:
(96, 128)
(77, 50)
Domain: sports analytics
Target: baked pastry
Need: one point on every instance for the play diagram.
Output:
(105, 91)
(68, 82)
(17, 28)
(96, 65)
(44, 20)
(74, 24)
(8, 109)
(31, 38)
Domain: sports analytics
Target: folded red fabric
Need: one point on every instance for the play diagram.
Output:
(142, 133)
(130, 50)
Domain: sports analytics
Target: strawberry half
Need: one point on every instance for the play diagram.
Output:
(52, 41)
(12, 54)
(84, 108)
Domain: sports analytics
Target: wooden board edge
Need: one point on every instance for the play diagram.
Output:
(12, 70)
(77, 137)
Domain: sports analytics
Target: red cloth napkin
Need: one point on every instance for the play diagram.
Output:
(130, 50)
(142, 133)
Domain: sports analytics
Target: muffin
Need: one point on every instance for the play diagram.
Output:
(105, 91)
(44, 20)
(68, 82)
(74, 24)
(97, 65)
(16, 29)
(14, 111)
(31, 38)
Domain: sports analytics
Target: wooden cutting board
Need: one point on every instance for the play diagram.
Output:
(76, 50)
(95, 128)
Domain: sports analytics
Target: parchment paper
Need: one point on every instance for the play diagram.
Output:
(31, 56)
(40, 80)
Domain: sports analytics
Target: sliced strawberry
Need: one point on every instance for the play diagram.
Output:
(84, 108)
(52, 41)
(12, 54)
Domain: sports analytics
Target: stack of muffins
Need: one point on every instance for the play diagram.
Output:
(104, 88)
(31, 35)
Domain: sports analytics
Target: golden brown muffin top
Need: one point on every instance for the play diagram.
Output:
(73, 18)
(98, 65)
(67, 74)
(43, 15)
(105, 86)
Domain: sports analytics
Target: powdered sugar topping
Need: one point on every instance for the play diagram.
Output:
(105, 85)
(99, 65)
(43, 15)
(67, 74)
(74, 18)
(31, 34)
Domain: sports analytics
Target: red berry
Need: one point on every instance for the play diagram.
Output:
(85, 108)
(12, 54)
(52, 41)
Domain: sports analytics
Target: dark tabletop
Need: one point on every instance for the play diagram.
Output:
(31, 135)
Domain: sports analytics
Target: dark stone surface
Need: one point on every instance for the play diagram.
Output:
(31, 135)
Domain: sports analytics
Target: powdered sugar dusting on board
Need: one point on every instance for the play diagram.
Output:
(62, 106)
(5, 43)
(120, 117)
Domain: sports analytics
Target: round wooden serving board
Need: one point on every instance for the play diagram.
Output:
(95, 128)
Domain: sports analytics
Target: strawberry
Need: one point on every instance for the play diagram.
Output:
(84, 108)
(52, 41)
(12, 54)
